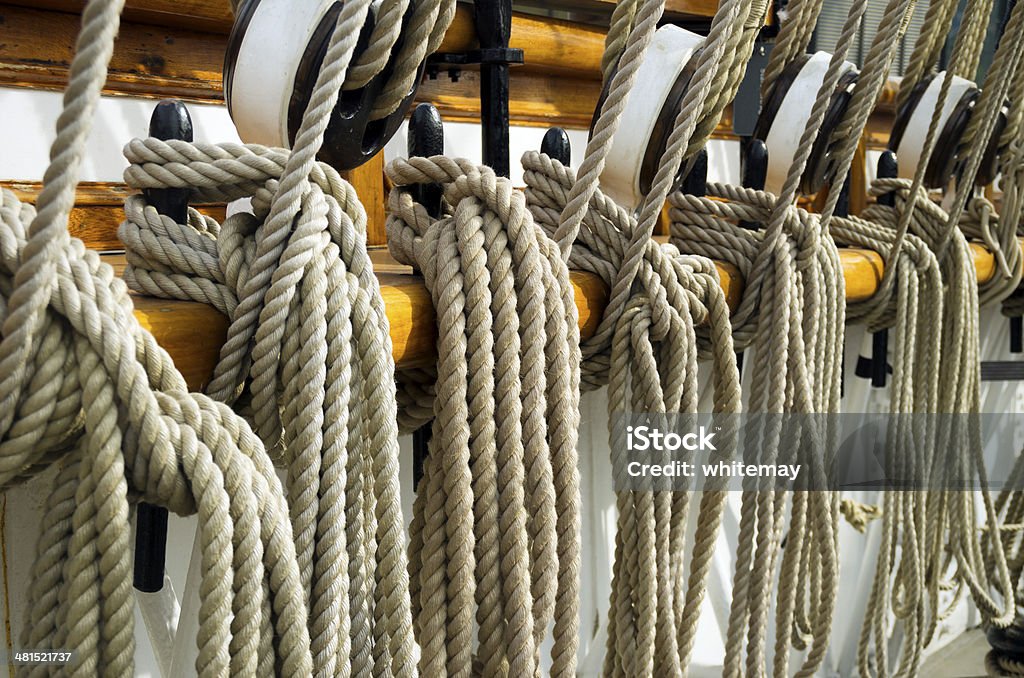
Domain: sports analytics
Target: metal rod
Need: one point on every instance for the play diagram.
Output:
(493, 19)
(170, 120)
(888, 168)
(426, 138)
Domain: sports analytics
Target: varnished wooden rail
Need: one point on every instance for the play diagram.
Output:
(193, 333)
(215, 15)
(559, 85)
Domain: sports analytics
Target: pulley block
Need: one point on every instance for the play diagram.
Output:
(950, 152)
(785, 114)
(649, 114)
(275, 51)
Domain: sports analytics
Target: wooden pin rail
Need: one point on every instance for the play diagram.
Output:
(193, 333)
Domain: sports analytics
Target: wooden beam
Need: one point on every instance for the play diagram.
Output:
(193, 333)
(99, 210)
(36, 48)
(215, 15)
(368, 180)
(162, 52)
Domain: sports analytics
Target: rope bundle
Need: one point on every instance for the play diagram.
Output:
(308, 326)
(796, 371)
(652, 368)
(496, 531)
(940, 524)
(929, 275)
(70, 338)
(329, 368)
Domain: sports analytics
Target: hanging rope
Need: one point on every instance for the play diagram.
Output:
(495, 538)
(679, 314)
(308, 326)
(69, 337)
(929, 525)
(792, 274)
(636, 626)
(498, 506)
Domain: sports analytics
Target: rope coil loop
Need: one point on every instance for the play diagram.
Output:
(498, 508)
(650, 366)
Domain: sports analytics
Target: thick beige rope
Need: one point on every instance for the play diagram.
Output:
(637, 626)
(69, 338)
(807, 569)
(309, 327)
(496, 527)
(658, 339)
(926, 524)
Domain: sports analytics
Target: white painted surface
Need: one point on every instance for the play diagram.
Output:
(912, 144)
(30, 118)
(792, 117)
(664, 60)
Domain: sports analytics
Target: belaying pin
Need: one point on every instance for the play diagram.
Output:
(170, 120)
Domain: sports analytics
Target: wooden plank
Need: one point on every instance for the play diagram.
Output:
(215, 15)
(158, 63)
(98, 211)
(550, 45)
(212, 16)
(536, 99)
(193, 333)
(36, 48)
(368, 181)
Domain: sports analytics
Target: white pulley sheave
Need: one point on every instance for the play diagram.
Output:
(794, 111)
(910, 146)
(663, 66)
(273, 39)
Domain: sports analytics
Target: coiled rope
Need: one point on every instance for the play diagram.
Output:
(791, 316)
(495, 536)
(928, 525)
(309, 327)
(496, 531)
(638, 604)
(69, 338)
(980, 563)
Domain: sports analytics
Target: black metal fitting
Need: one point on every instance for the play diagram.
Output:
(170, 120)
(426, 139)
(555, 144)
